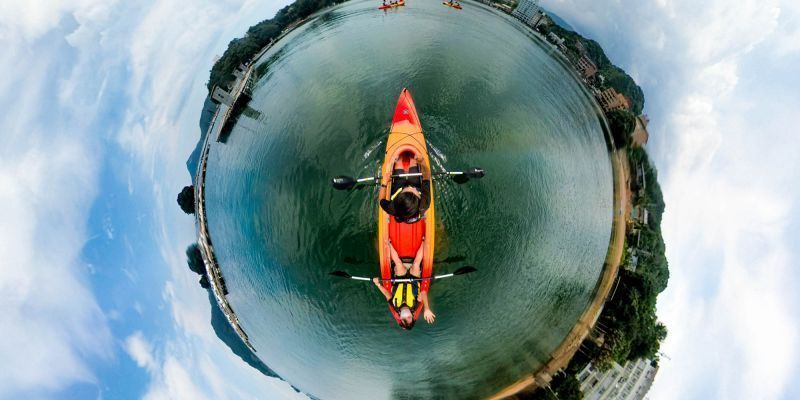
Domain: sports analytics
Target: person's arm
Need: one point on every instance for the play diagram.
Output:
(426, 308)
(383, 290)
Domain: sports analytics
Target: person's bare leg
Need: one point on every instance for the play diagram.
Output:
(399, 268)
(416, 268)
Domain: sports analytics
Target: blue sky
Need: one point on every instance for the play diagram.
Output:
(101, 103)
(721, 88)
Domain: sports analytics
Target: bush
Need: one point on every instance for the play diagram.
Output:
(621, 123)
(195, 259)
(186, 199)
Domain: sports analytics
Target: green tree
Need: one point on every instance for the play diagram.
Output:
(614, 76)
(242, 50)
(186, 199)
(204, 283)
(617, 78)
(621, 123)
(564, 386)
(195, 259)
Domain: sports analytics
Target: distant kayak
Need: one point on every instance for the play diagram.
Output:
(388, 6)
(454, 5)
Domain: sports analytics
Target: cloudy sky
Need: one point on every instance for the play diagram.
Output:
(101, 103)
(721, 87)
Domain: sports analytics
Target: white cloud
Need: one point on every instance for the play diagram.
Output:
(171, 52)
(32, 19)
(720, 99)
(53, 327)
(170, 379)
(140, 350)
(51, 320)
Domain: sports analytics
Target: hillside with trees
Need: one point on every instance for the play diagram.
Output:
(614, 76)
(243, 49)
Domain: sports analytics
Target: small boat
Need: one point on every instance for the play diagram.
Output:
(450, 4)
(405, 142)
(394, 5)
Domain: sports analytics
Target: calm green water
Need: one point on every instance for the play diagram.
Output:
(537, 227)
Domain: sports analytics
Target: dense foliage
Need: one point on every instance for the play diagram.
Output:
(614, 76)
(195, 259)
(632, 330)
(621, 123)
(652, 258)
(242, 50)
(629, 318)
(186, 199)
(564, 386)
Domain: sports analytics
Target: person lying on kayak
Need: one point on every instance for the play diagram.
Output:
(410, 195)
(405, 297)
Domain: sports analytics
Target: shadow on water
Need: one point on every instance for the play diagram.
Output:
(240, 107)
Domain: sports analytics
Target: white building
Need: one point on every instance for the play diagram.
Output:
(528, 12)
(631, 382)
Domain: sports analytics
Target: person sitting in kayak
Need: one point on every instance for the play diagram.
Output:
(410, 195)
(406, 297)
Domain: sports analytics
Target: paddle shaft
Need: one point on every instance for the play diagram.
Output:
(400, 280)
(406, 175)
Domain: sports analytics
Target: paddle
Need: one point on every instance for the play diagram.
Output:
(343, 182)
(461, 271)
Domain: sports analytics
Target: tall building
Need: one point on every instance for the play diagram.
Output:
(586, 67)
(631, 382)
(611, 100)
(528, 12)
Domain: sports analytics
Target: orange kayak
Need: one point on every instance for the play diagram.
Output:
(388, 6)
(456, 6)
(406, 140)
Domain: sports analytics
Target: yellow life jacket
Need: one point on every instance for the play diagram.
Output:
(405, 294)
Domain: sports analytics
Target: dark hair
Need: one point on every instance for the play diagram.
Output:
(406, 205)
(408, 326)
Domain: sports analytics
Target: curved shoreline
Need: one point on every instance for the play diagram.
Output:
(562, 355)
(204, 238)
(219, 121)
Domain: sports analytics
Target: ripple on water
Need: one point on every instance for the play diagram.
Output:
(537, 227)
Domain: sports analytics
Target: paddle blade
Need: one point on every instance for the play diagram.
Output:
(342, 182)
(475, 172)
(460, 178)
(465, 270)
(341, 274)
